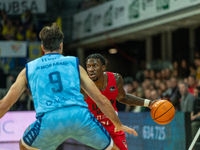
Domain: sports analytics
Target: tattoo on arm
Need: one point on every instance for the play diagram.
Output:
(126, 98)
(133, 100)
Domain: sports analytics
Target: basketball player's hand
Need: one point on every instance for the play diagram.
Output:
(127, 129)
(152, 102)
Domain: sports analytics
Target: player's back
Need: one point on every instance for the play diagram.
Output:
(54, 81)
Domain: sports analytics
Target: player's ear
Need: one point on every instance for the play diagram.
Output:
(61, 47)
(42, 48)
(104, 67)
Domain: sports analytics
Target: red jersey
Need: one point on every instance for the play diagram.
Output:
(111, 93)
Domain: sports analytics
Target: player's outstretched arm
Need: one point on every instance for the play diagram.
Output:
(102, 102)
(14, 93)
(130, 99)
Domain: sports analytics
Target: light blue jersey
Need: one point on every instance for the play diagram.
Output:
(54, 82)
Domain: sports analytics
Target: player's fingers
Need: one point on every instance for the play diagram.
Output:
(130, 131)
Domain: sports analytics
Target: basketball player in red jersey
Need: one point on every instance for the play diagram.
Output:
(111, 86)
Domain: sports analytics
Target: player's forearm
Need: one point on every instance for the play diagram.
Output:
(132, 100)
(3, 108)
(109, 111)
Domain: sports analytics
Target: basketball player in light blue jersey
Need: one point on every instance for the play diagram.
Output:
(61, 112)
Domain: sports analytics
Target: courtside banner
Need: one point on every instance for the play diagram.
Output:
(152, 136)
(13, 125)
(13, 49)
(17, 7)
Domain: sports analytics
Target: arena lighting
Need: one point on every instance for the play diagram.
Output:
(113, 51)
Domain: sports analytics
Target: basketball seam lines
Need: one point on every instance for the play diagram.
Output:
(164, 113)
(157, 109)
(166, 120)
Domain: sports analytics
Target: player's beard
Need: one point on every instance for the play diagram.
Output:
(94, 79)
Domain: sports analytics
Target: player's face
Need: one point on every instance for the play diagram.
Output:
(94, 68)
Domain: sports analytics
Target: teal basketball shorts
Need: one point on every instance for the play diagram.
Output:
(53, 128)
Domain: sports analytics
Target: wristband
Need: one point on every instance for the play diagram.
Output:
(146, 102)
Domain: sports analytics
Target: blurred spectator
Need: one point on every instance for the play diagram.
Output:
(163, 76)
(158, 75)
(27, 18)
(154, 94)
(152, 75)
(184, 69)
(162, 87)
(167, 73)
(195, 114)
(187, 99)
(175, 65)
(175, 73)
(157, 83)
(172, 91)
(191, 83)
(31, 34)
(25, 102)
(193, 70)
(136, 86)
(8, 31)
(197, 64)
(21, 33)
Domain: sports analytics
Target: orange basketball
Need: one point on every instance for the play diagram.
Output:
(162, 112)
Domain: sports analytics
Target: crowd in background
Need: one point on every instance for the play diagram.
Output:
(21, 28)
(180, 86)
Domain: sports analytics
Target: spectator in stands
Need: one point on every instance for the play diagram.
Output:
(172, 91)
(20, 33)
(191, 83)
(22, 103)
(4, 18)
(193, 70)
(167, 73)
(157, 83)
(154, 94)
(27, 18)
(31, 34)
(158, 75)
(163, 75)
(197, 64)
(175, 65)
(195, 114)
(162, 87)
(184, 69)
(9, 31)
(136, 85)
(175, 73)
(187, 99)
(152, 75)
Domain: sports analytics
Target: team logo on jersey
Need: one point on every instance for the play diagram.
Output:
(112, 88)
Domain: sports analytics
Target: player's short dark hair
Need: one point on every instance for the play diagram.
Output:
(51, 37)
(97, 56)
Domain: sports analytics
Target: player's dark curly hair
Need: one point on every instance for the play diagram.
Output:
(51, 37)
(97, 56)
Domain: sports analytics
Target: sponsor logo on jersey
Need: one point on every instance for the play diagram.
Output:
(112, 88)
(125, 144)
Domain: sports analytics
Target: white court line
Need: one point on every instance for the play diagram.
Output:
(194, 140)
